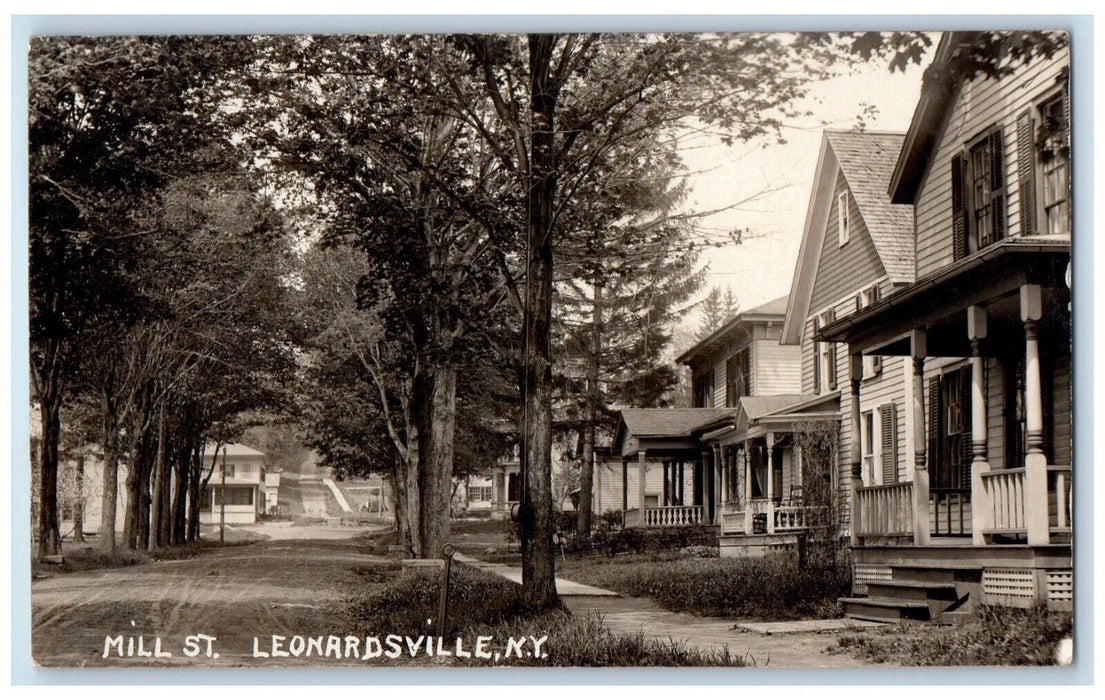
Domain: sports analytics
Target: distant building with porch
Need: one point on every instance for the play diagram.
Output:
(238, 480)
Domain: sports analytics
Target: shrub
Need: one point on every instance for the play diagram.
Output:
(485, 604)
(404, 606)
(640, 540)
(768, 588)
(996, 636)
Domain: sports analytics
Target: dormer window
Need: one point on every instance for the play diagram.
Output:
(824, 369)
(843, 223)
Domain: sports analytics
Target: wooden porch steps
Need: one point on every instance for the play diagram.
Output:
(903, 600)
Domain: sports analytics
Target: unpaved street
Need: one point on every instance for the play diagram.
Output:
(279, 586)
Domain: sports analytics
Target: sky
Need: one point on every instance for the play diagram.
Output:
(761, 268)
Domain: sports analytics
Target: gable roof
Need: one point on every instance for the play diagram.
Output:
(233, 449)
(773, 310)
(669, 422)
(924, 128)
(867, 160)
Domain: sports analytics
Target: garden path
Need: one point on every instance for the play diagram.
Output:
(794, 645)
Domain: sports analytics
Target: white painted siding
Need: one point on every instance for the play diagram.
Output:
(777, 369)
(980, 105)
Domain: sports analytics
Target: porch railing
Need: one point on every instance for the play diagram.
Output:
(666, 516)
(950, 511)
(789, 518)
(1059, 492)
(884, 510)
(1003, 490)
(732, 522)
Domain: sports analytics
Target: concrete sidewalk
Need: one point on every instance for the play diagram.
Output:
(564, 587)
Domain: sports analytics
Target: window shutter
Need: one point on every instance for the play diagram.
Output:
(831, 316)
(959, 208)
(966, 450)
(876, 364)
(888, 422)
(816, 358)
(934, 431)
(1026, 172)
(997, 185)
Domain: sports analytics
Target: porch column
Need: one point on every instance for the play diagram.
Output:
(855, 459)
(747, 490)
(596, 487)
(719, 481)
(1035, 462)
(918, 347)
(625, 488)
(665, 490)
(769, 440)
(641, 484)
(980, 505)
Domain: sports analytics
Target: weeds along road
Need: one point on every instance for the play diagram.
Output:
(233, 593)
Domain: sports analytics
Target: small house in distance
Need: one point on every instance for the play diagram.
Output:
(239, 478)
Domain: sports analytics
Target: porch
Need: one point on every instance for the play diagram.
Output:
(990, 416)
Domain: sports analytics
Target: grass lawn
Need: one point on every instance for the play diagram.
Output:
(765, 589)
(85, 556)
(995, 637)
(482, 604)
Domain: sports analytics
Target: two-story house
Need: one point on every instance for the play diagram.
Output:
(856, 249)
(730, 459)
(237, 486)
(981, 509)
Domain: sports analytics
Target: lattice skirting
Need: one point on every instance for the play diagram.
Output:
(871, 573)
(1012, 585)
(1060, 586)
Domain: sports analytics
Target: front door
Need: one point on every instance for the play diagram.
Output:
(950, 485)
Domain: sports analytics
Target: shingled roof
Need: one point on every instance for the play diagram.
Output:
(669, 422)
(867, 159)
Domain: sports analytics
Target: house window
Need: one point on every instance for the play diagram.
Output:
(825, 358)
(704, 390)
(872, 364)
(737, 378)
(867, 445)
(1054, 150)
(236, 496)
(842, 216)
(978, 195)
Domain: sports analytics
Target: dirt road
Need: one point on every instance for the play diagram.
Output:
(278, 586)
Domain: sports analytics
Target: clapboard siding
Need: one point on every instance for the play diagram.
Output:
(980, 105)
(844, 269)
(886, 387)
(776, 368)
(995, 415)
(719, 383)
(611, 483)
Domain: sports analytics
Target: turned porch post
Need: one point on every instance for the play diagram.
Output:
(918, 347)
(641, 484)
(747, 490)
(769, 441)
(719, 482)
(855, 458)
(625, 489)
(980, 505)
(1035, 462)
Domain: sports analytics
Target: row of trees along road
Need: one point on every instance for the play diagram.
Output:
(488, 183)
(157, 307)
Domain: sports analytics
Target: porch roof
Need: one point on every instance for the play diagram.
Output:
(931, 303)
(756, 414)
(663, 428)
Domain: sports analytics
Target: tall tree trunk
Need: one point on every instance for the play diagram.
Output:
(178, 528)
(586, 469)
(412, 489)
(49, 529)
(195, 469)
(436, 434)
(157, 505)
(397, 478)
(78, 504)
(110, 495)
(538, 574)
